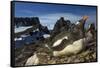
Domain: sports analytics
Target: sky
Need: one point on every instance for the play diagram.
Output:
(49, 13)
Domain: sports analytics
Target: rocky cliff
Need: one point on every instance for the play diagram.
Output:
(26, 21)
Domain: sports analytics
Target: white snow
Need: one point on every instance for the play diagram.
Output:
(24, 36)
(46, 35)
(20, 29)
(59, 41)
(18, 39)
(77, 22)
(36, 30)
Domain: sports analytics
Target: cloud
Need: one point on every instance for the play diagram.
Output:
(50, 19)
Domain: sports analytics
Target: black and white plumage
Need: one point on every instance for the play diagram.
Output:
(71, 48)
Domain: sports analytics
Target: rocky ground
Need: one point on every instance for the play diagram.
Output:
(45, 57)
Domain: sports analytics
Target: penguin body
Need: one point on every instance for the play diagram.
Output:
(74, 48)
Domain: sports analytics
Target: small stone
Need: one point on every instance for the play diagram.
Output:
(52, 62)
(94, 55)
(76, 60)
(69, 60)
(87, 57)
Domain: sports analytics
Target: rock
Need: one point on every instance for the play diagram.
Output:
(51, 62)
(76, 60)
(69, 60)
(44, 29)
(33, 60)
(25, 21)
(61, 25)
(94, 55)
(87, 58)
(48, 57)
(85, 53)
(81, 59)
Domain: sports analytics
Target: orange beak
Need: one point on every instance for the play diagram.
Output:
(85, 17)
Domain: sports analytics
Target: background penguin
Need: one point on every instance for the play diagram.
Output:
(92, 29)
(80, 26)
(91, 35)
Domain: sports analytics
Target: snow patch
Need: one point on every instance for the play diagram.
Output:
(20, 29)
(18, 39)
(24, 36)
(46, 35)
(77, 22)
(36, 30)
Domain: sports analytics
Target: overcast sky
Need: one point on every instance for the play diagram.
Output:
(50, 13)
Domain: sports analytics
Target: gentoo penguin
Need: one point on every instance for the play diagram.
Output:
(33, 60)
(70, 48)
(80, 26)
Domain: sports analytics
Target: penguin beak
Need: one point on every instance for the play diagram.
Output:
(85, 17)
